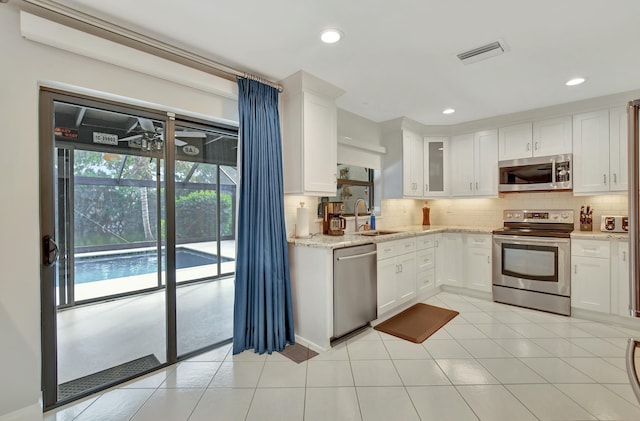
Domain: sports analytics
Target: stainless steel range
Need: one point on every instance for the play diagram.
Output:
(531, 260)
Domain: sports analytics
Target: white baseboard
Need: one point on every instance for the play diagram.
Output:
(468, 292)
(302, 341)
(614, 319)
(28, 413)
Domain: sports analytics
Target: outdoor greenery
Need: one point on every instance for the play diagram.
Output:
(107, 214)
(111, 215)
(196, 215)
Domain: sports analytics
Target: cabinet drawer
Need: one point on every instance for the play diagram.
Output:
(425, 260)
(425, 242)
(394, 248)
(479, 241)
(590, 248)
(426, 279)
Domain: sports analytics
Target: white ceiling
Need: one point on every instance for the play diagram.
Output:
(398, 58)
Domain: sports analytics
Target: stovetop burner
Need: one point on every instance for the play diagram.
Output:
(537, 223)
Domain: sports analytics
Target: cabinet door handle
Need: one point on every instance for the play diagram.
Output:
(488, 259)
(624, 256)
(470, 186)
(528, 146)
(426, 187)
(575, 269)
(615, 178)
(604, 176)
(397, 268)
(536, 147)
(400, 268)
(477, 186)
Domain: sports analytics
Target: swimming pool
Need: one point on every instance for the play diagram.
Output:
(119, 265)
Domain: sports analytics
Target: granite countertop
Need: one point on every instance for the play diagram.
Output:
(599, 235)
(355, 239)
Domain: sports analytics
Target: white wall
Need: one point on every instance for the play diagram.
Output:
(24, 64)
(358, 128)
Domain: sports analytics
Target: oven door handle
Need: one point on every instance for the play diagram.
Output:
(530, 239)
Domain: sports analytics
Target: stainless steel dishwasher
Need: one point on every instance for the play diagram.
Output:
(354, 288)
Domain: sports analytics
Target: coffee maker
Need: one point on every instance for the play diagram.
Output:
(332, 221)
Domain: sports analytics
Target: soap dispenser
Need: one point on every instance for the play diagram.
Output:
(425, 214)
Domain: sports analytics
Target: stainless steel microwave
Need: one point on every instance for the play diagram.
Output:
(542, 173)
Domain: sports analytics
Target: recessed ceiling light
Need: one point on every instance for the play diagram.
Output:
(331, 36)
(448, 111)
(575, 81)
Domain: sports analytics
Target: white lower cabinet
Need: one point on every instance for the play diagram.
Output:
(396, 273)
(620, 295)
(440, 254)
(406, 277)
(387, 284)
(591, 275)
(425, 264)
(452, 270)
(477, 261)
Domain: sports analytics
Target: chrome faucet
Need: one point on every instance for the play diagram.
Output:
(355, 212)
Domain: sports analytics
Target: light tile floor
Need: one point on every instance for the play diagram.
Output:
(492, 362)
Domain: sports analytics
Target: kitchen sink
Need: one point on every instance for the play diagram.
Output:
(377, 233)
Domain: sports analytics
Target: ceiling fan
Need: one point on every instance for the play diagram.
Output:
(152, 137)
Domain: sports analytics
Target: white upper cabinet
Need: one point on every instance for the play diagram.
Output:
(540, 138)
(618, 153)
(309, 135)
(600, 151)
(591, 152)
(417, 169)
(436, 150)
(552, 136)
(474, 162)
(486, 162)
(515, 142)
(412, 160)
(462, 176)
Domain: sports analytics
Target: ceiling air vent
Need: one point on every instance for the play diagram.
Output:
(481, 53)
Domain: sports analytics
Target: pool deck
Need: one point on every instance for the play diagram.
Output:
(97, 289)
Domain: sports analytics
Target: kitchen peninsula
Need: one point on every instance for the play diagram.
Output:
(457, 256)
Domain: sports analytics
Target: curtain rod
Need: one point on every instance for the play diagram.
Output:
(67, 16)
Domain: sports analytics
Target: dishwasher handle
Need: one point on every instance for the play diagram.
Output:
(356, 256)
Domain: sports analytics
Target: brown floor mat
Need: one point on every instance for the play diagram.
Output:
(417, 323)
(298, 353)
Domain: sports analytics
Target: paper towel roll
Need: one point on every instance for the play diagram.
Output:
(302, 223)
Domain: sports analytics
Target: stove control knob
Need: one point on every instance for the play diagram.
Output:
(555, 216)
(509, 215)
(518, 216)
(565, 215)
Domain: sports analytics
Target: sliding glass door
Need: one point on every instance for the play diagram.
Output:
(205, 197)
(138, 225)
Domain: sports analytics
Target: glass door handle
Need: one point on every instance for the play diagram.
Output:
(49, 251)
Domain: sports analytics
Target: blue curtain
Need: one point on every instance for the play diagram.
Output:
(263, 313)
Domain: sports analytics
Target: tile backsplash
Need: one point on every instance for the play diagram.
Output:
(473, 212)
(488, 212)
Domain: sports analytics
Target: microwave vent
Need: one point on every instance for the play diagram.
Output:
(481, 53)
